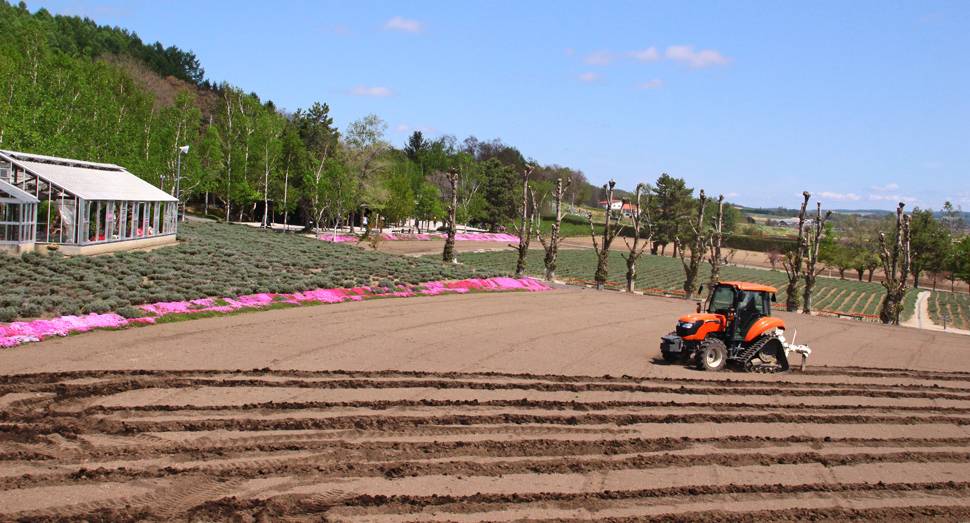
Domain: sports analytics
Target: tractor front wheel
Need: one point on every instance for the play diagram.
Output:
(713, 355)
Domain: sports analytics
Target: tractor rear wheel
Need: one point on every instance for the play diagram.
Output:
(713, 355)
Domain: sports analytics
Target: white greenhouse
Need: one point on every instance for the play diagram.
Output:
(82, 207)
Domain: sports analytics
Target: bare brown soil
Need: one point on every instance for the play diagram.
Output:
(546, 406)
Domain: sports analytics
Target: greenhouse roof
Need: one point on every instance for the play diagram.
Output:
(16, 193)
(88, 180)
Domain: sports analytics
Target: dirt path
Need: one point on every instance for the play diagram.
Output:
(491, 407)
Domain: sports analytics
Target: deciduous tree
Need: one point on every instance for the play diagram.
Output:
(611, 228)
(929, 242)
(715, 236)
(895, 263)
(639, 213)
(698, 249)
(960, 260)
(448, 255)
(524, 228)
(793, 260)
(552, 245)
(814, 242)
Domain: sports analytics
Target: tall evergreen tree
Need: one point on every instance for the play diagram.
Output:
(672, 202)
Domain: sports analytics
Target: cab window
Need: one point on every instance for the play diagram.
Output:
(751, 303)
(722, 300)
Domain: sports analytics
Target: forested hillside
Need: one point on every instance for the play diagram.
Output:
(79, 90)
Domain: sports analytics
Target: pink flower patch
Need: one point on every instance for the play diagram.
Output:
(18, 333)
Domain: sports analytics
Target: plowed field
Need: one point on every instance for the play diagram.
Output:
(545, 406)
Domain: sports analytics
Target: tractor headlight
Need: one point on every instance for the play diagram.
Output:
(688, 328)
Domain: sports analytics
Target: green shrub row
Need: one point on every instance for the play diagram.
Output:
(210, 260)
(759, 244)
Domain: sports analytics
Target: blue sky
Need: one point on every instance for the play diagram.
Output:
(864, 104)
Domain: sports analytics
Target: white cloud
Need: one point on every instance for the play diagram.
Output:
(404, 128)
(652, 84)
(839, 196)
(399, 23)
(891, 198)
(932, 165)
(885, 188)
(601, 57)
(379, 92)
(649, 55)
(569, 51)
(590, 77)
(685, 55)
(730, 195)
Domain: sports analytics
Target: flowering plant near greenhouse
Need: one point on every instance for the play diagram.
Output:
(477, 237)
(23, 332)
(211, 260)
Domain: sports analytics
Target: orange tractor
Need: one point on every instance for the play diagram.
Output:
(737, 328)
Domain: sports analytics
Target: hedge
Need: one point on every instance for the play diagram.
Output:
(759, 244)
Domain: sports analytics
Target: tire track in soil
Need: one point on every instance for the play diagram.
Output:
(599, 448)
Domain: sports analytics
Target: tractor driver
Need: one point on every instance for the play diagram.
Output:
(748, 310)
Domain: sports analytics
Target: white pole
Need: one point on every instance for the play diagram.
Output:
(178, 184)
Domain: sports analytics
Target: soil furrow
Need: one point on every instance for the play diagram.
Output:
(324, 466)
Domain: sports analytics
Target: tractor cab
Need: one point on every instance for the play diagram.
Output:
(741, 305)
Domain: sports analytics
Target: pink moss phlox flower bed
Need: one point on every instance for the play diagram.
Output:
(473, 237)
(338, 238)
(23, 332)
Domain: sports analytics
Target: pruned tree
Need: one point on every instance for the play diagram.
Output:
(449, 253)
(525, 226)
(714, 238)
(697, 250)
(610, 231)
(813, 243)
(793, 260)
(895, 263)
(638, 212)
(552, 245)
